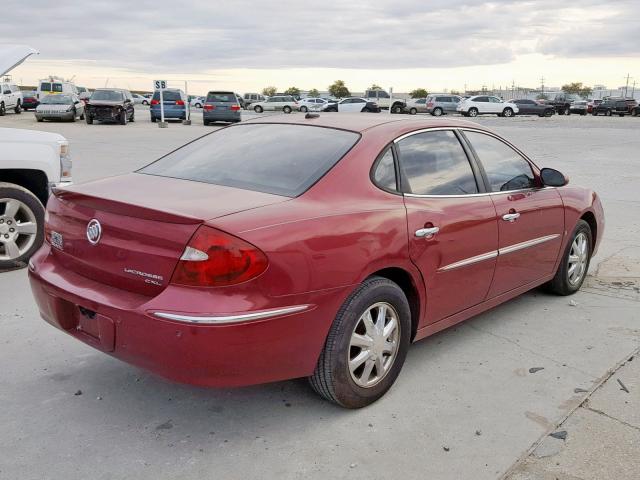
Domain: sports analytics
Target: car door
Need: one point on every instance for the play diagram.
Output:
(482, 104)
(452, 104)
(495, 105)
(453, 233)
(346, 105)
(530, 218)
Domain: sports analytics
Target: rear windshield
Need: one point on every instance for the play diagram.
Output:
(167, 95)
(271, 158)
(50, 87)
(108, 95)
(221, 97)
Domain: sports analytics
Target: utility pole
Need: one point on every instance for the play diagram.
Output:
(542, 86)
(633, 90)
(626, 88)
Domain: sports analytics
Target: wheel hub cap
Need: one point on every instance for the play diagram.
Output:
(17, 228)
(374, 344)
(578, 259)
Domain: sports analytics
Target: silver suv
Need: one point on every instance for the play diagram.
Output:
(442, 103)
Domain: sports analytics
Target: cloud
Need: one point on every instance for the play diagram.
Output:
(169, 36)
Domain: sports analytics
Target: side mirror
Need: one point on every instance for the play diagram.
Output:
(553, 178)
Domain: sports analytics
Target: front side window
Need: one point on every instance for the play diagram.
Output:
(495, 100)
(506, 169)
(385, 172)
(434, 163)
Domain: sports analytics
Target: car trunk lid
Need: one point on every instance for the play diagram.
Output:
(145, 222)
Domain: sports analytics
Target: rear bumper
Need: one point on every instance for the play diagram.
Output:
(169, 112)
(226, 116)
(223, 354)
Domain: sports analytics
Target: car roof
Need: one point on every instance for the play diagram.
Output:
(361, 122)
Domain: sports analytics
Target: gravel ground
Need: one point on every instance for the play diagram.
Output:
(466, 405)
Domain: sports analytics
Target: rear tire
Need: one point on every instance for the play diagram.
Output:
(338, 376)
(473, 112)
(30, 207)
(206, 123)
(567, 281)
(507, 112)
(608, 113)
(258, 109)
(154, 119)
(18, 108)
(396, 109)
(413, 111)
(3, 110)
(304, 109)
(438, 112)
(74, 116)
(286, 109)
(89, 119)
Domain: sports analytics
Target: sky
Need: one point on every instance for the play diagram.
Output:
(405, 44)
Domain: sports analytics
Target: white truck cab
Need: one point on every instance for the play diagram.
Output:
(10, 97)
(31, 164)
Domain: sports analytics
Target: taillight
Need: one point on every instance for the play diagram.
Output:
(155, 102)
(217, 259)
(430, 104)
(179, 102)
(209, 107)
(235, 108)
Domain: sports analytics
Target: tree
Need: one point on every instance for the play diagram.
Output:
(375, 86)
(418, 93)
(339, 89)
(577, 88)
(314, 93)
(295, 91)
(269, 91)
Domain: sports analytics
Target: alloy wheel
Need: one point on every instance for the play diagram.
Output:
(18, 228)
(578, 259)
(374, 344)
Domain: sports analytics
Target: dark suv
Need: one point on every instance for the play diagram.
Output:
(110, 105)
(616, 106)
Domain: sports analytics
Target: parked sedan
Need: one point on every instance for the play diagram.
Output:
(29, 100)
(579, 106)
(197, 102)
(484, 104)
(277, 103)
(531, 107)
(221, 107)
(417, 105)
(63, 106)
(440, 104)
(110, 105)
(237, 260)
(352, 104)
(312, 104)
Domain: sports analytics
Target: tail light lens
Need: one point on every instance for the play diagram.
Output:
(217, 259)
(179, 102)
(155, 102)
(209, 107)
(235, 108)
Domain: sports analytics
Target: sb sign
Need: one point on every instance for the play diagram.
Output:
(160, 84)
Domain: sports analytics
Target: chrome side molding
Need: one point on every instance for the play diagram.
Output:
(223, 319)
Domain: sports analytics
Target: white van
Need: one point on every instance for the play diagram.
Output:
(54, 85)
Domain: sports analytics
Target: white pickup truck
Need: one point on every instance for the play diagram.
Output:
(31, 164)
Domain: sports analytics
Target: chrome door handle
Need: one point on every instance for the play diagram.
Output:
(511, 217)
(427, 232)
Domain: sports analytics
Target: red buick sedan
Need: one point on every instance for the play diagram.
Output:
(308, 246)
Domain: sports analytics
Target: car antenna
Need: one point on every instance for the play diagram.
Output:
(311, 115)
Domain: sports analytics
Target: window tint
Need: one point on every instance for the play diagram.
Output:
(385, 173)
(45, 86)
(221, 97)
(251, 157)
(434, 163)
(506, 169)
(481, 99)
(167, 95)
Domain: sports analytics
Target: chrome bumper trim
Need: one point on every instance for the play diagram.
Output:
(223, 319)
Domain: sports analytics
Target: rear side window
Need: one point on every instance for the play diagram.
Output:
(384, 174)
(434, 163)
(272, 158)
(506, 169)
(45, 86)
(221, 97)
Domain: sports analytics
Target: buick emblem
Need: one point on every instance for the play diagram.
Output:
(94, 231)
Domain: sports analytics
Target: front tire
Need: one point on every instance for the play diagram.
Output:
(258, 109)
(473, 112)
(304, 109)
(438, 112)
(366, 346)
(3, 110)
(89, 119)
(396, 109)
(507, 112)
(575, 262)
(413, 111)
(22, 219)
(18, 108)
(286, 109)
(123, 117)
